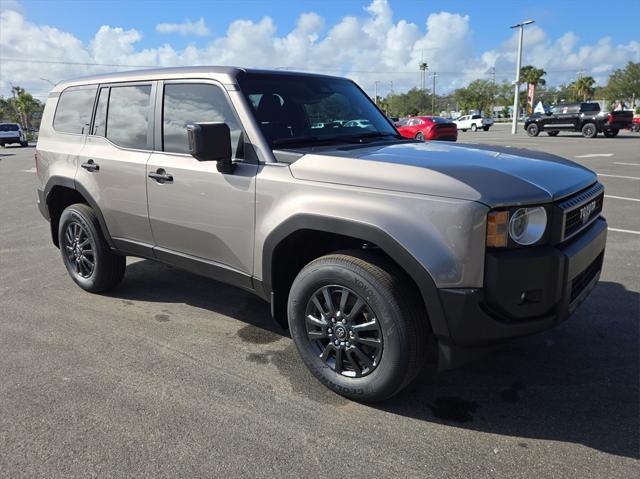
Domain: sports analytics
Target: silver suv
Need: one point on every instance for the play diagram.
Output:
(374, 250)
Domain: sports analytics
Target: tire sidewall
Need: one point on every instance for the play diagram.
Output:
(75, 214)
(533, 130)
(420, 136)
(388, 375)
(474, 127)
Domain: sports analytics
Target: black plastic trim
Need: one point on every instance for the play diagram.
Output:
(73, 185)
(367, 233)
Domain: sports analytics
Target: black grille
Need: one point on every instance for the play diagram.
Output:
(573, 208)
(584, 278)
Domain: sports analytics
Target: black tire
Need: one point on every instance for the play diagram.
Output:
(464, 129)
(553, 133)
(24, 144)
(420, 136)
(611, 133)
(533, 130)
(388, 296)
(474, 127)
(589, 130)
(485, 128)
(108, 267)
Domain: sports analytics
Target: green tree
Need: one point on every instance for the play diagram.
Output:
(624, 83)
(478, 95)
(583, 88)
(531, 74)
(24, 105)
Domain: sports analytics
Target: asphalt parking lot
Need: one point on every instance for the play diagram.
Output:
(174, 375)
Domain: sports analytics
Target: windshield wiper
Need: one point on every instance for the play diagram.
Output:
(373, 134)
(307, 139)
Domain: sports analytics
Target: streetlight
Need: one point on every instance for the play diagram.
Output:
(516, 108)
(47, 80)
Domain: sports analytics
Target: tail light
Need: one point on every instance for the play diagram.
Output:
(610, 118)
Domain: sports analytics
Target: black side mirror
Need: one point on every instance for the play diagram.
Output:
(211, 142)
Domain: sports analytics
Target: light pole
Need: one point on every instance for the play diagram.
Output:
(516, 95)
(433, 95)
(47, 80)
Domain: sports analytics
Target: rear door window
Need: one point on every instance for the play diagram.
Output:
(128, 116)
(73, 113)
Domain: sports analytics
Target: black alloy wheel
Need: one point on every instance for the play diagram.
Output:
(344, 331)
(79, 249)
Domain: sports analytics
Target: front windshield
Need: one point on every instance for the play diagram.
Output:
(297, 108)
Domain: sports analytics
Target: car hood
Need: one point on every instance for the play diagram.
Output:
(493, 175)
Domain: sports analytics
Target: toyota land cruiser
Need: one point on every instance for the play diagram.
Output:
(373, 249)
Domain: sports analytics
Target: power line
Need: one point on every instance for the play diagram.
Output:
(491, 71)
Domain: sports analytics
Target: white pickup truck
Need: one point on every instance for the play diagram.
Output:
(473, 123)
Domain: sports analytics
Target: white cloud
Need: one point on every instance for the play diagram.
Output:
(188, 27)
(372, 46)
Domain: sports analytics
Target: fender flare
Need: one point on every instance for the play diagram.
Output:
(368, 233)
(73, 185)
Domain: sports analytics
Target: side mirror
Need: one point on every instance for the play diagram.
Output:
(211, 142)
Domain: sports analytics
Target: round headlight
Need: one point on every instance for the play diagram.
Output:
(527, 225)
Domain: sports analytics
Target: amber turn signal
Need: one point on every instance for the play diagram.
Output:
(497, 229)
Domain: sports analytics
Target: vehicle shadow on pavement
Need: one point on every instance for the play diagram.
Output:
(152, 281)
(577, 383)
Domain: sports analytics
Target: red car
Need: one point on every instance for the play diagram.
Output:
(427, 128)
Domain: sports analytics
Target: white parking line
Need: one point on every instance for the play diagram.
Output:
(621, 198)
(624, 231)
(626, 164)
(595, 155)
(617, 176)
(32, 170)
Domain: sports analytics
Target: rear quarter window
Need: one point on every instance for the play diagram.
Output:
(73, 113)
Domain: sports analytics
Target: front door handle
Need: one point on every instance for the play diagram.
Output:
(161, 176)
(90, 166)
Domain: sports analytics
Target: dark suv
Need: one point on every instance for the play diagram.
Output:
(584, 117)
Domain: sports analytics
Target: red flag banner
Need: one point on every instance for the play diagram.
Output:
(530, 97)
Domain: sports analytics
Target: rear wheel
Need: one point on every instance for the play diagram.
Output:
(485, 128)
(464, 129)
(553, 133)
(85, 252)
(24, 144)
(358, 324)
(533, 130)
(420, 136)
(611, 133)
(474, 127)
(589, 130)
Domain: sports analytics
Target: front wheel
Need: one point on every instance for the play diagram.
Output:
(24, 144)
(420, 136)
(85, 252)
(485, 128)
(474, 127)
(589, 130)
(611, 133)
(533, 130)
(358, 324)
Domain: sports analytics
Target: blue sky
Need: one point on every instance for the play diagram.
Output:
(368, 40)
(489, 18)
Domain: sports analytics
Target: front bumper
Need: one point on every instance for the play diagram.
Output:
(9, 139)
(526, 290)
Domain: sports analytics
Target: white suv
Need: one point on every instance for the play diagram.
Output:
(12, 133)
(473, 122)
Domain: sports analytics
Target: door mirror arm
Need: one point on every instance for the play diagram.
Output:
(211, 142)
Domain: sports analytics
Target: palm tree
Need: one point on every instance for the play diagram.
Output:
(531, 74)
(24, 104)
(583, 88)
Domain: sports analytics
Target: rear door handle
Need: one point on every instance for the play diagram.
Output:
(161, 176)
(90, 166)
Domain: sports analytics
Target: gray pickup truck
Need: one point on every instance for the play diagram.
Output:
(375, 251)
